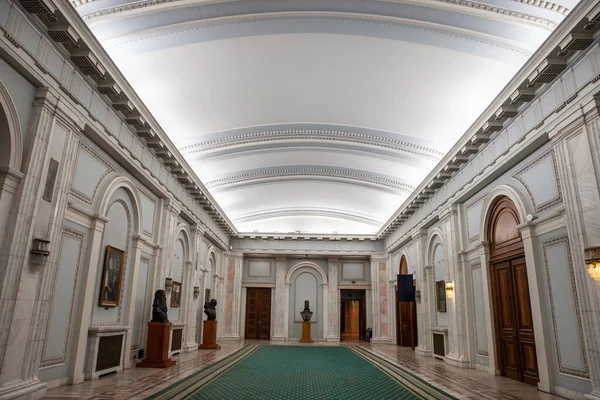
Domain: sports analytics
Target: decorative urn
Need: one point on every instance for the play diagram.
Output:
(306, 314)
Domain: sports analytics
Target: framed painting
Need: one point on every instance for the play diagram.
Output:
(110, 289)
(176, 294)
(440, 296)
(206, 295)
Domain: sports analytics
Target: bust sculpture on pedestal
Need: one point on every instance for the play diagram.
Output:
(159, 332)
(209, 334)
(306, 316)
(210, 310)
(159, 307)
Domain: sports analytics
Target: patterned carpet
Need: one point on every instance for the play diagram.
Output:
(299, 372)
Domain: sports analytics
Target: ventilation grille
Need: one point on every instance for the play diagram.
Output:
(63, 34)
(109, 352)
(38, 6)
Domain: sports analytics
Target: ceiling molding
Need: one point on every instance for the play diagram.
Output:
(459, 3)
(312, 173)
(547, 5)
(280, 136)
(307, 212)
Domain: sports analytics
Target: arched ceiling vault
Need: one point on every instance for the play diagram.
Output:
(317, 116)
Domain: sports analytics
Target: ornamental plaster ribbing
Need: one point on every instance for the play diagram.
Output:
(460, 3)
(312, 134)
(321, 212)
(309, 172)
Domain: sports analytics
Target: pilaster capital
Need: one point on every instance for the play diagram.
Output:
(138, 241)
(418, 233)
(333, 260)
(198, 229)
(236, 255)
(449, 211)
(483, 248)
(280, 258)
(379, 257)
(171, 206)
(46, 97)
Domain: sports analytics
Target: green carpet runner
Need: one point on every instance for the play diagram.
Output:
(299, 372)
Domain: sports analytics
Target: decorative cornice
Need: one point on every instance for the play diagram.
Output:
(312, 135)
(307, 211)
(547, 5)
(460, 3)
(310, 172)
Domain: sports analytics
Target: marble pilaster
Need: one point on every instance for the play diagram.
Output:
(280, 322)
(19, 278)
(333, 332)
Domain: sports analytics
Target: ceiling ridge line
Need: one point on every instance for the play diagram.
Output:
(281, 172)
(461, 3)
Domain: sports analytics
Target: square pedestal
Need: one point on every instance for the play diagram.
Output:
(209, 335)
(157, 348)
(306, 332)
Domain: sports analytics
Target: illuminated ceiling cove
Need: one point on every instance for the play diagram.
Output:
(317, 116)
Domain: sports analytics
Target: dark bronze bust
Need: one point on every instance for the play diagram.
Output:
(210, 311)
(306, 314)
(159, 307)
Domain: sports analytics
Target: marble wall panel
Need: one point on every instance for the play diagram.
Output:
(353, 271)
(178, 263)
(21, 93)
(478, 304)
(90, 169)
(383, 299)
(540, 179)
(148, 213)
(142, 304)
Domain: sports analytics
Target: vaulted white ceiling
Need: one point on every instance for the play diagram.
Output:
(318, 116)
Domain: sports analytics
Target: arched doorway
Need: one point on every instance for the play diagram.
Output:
(406, 319)
(515, 343)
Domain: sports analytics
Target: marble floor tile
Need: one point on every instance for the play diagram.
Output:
(137, 384)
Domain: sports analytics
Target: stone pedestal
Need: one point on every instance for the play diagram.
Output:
(157, 348)
(209, 335)
(306, 332)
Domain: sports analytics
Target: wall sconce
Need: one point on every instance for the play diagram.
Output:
(39, 250)
(418, 295)
(196, 291)
(592, 259)
(450, 289)
(168, 283)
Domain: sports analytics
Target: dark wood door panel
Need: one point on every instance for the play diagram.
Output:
(258, 313)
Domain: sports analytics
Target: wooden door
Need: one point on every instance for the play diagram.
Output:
(512, 307)
(406, 323)
(362, 317)
(258, 313)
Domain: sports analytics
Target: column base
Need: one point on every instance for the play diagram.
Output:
(380, 340)
(189, 347)
(457, 361)
(423, 351)
(231, 338)
(332, 339)
(26, 390)
(278, 339)
(595, 395)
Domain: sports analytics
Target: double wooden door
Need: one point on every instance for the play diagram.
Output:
(514, 322)
(258, 313)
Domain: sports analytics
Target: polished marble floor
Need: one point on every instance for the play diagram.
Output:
(463, 383)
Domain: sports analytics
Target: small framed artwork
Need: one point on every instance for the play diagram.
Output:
(206, 295)
(110, 289)
(440, 296)
(176, 294)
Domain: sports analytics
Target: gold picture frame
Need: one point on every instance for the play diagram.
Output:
(112, 274)
(440, 296)
(176, 294)
(206, 295)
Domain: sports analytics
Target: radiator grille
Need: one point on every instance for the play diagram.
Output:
(109, 352)
(176, 339)
(438, 345)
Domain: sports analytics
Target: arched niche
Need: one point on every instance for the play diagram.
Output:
(306, 283)
(177, 273)
(438, 263)
(118, 234)
(10, 133)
